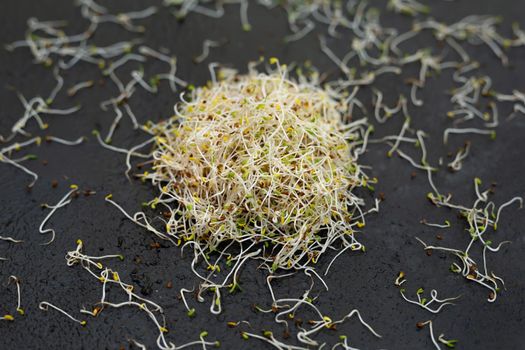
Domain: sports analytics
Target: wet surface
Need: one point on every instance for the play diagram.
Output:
(356, 280)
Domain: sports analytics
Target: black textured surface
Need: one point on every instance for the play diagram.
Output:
(357, 280)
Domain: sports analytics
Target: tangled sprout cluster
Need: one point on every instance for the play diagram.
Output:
(261, 158)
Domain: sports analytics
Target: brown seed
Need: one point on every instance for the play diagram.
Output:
(420, 325)
(440, 237)
(413, 175)
(45, 162)
(382, 196)
(54, 183)
(429, 252)
(169, 285)
(154, 245)
(96, 310)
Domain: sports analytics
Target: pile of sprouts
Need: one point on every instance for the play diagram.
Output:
(260, 158)
(264, 166)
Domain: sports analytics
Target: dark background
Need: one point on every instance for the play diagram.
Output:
(357, 280)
